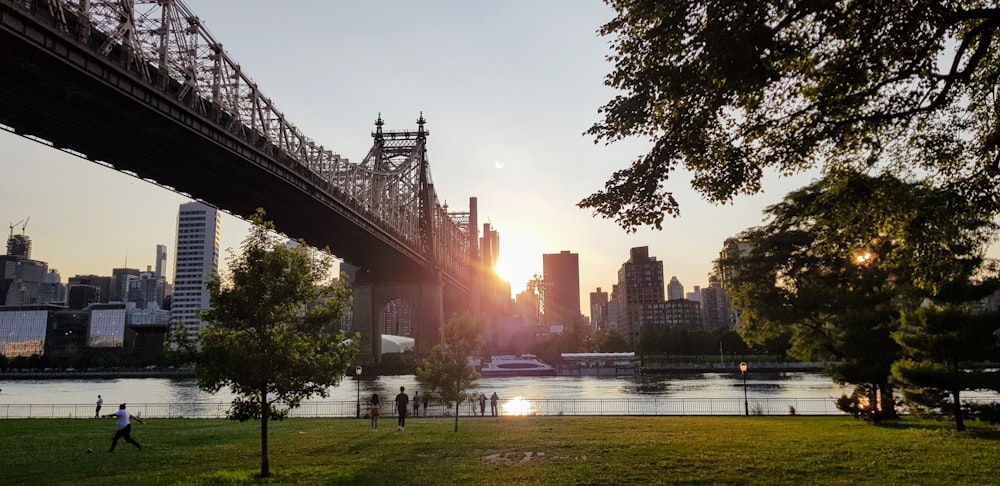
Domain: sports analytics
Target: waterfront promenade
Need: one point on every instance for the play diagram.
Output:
(517, 406)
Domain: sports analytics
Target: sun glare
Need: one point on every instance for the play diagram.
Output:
(518, 268)
(517, 406)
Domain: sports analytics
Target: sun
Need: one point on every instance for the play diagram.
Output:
(517, 265)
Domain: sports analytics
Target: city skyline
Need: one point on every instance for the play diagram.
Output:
(506, 103)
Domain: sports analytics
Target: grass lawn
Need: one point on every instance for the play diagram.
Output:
(504, 451)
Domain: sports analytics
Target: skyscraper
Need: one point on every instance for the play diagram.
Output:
(196, 256)
(121, 279)
(161, 260)
(598, 309)
(715, 306)
(675, 290)
(52, 290)
(19, 246)
(561, 272)
(640, 282)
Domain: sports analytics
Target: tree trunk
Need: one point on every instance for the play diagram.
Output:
(888, 402)
(957, 410)
(458, 389)
(873, 405)
(265, 417)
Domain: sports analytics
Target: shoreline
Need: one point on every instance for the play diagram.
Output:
(90, 375)
(563, 371)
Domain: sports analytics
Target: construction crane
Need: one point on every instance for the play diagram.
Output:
(23, 226)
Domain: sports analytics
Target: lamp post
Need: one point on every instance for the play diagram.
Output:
(357, 376)
(746, 405)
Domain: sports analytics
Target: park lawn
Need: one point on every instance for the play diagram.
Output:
(504, 451)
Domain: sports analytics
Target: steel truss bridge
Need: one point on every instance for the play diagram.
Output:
(143, 87)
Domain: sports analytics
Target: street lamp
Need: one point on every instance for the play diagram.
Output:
(746, 405)
(357, 376)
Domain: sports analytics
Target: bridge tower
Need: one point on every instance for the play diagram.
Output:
(414, 302)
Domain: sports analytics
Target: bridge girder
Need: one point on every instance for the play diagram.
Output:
(155, 95)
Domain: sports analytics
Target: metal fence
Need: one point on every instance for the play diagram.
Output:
(517, 407)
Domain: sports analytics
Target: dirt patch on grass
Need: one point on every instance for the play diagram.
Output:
(512, 457)
(505, 458)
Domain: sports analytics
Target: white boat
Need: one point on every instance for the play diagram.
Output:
(521, 365)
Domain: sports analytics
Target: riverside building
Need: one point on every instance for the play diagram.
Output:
(196, 258)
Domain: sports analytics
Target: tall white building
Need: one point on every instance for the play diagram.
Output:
(161, 260)
(675, 290)
(195, 258)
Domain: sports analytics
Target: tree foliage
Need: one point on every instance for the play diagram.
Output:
(446, 371)
(945, 347)
(732, 90)
(267, 340)
(608, 341)
(839, 259)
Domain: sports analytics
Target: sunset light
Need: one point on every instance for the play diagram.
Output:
(517, 406)
(518, 264)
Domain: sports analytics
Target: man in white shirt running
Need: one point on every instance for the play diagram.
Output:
(124, 427)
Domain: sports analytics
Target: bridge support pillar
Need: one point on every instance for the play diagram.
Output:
(426, 302)
(428, 320)
(365, 321)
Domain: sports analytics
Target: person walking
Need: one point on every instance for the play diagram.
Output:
(402, 401)
(124, 427)
(493, 404)
(482, 404)
(373, 409)
(416, 403)
(100, 402)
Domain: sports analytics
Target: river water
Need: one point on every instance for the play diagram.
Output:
(699, 385)
(668, 394)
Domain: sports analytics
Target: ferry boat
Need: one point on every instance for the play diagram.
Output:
(520, 365)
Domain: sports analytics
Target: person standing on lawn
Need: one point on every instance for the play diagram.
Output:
(374, 410)
(402, 401)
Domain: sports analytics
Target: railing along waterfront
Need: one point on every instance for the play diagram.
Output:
(510, 407)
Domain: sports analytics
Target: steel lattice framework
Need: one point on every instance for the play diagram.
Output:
(164, 43)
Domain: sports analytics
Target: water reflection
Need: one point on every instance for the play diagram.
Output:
(517, 406)
(798, 385)
(707, 385)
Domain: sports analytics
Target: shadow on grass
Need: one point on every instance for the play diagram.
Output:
(974, 429)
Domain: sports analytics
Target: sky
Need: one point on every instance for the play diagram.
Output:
(507, 89)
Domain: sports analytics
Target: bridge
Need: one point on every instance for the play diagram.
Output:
(141, 86)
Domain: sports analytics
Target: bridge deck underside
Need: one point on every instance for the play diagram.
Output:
(148, 134)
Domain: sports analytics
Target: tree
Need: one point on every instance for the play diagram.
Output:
(839, 259)
(267, 340)
(731, 90)
(943, 347)
(447, 370)
(608, 341)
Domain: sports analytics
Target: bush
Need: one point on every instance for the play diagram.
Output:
(986, 412)
(858, 406)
